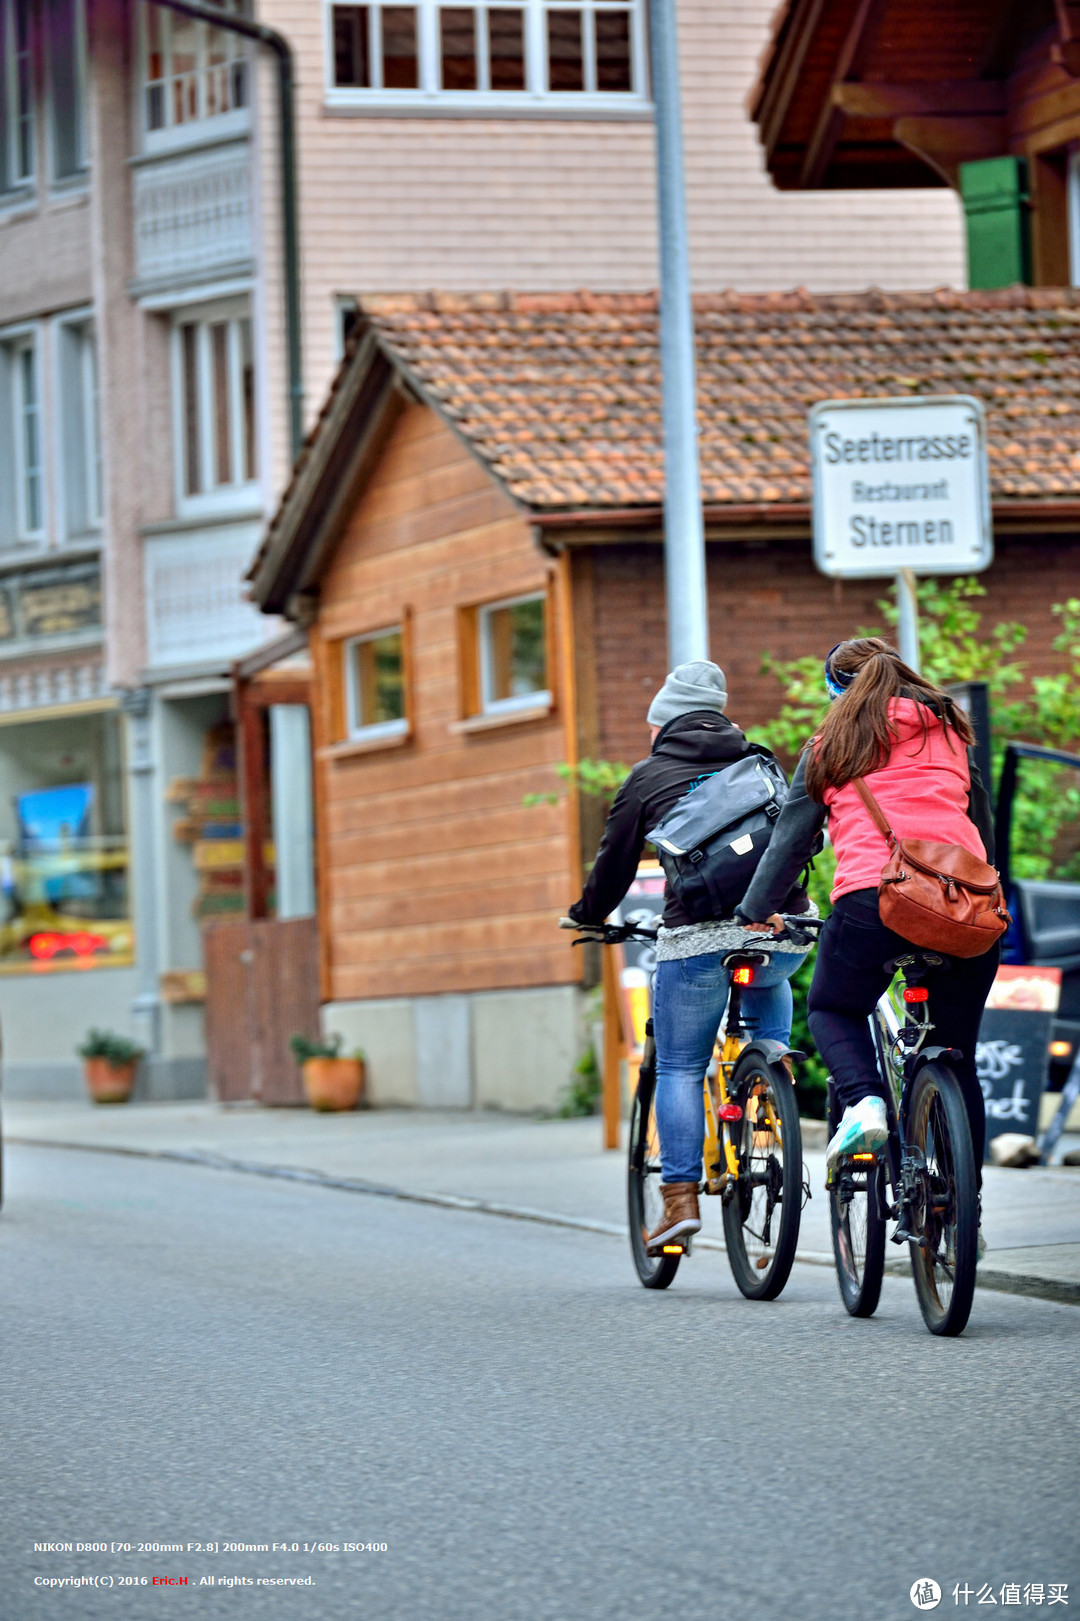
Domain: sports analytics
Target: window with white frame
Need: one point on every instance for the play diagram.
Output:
(375, 684)
(26, 420)
(214, 367)
(591, 53)
(65, 40)
(80, 428)
(16, 96)
(191, 71)
(512, 638)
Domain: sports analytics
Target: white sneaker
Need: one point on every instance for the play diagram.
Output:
(863, 1130)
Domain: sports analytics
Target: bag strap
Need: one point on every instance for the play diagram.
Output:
(874, 808)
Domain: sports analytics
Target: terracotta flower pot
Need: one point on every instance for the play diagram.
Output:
(109, 1083)
(333, 1084)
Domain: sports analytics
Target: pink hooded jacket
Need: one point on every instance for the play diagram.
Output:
(923, 790)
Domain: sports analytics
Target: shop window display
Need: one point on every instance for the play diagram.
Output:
(64, 894)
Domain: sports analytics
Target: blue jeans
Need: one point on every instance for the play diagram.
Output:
(689, 998)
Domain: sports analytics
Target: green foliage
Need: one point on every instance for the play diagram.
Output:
(811, 1076)
(304, 1048)
(598, 779)
(117, 1051)
(582, 1095)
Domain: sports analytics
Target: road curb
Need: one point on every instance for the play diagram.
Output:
(1061, 1291)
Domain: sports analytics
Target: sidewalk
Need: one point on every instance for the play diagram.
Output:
(550, 1170)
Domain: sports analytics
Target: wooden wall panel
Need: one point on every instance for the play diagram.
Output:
(434, 874)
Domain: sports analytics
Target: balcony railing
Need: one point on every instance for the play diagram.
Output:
(195, 596)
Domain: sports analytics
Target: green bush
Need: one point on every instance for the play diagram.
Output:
(117, 1051)
(303, 1048)
(582, 1095)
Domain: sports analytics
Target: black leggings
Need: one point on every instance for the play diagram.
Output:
(849, 977)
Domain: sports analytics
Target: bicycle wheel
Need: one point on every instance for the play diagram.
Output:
(858, 1229)
(762, 1209)
(946, 1212)
(644, 1200)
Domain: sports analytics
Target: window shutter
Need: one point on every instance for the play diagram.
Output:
(995, 198)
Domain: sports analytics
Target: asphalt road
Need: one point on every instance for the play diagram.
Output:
(192, 1357)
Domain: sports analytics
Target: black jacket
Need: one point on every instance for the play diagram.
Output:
(799, 827)
(689, 748)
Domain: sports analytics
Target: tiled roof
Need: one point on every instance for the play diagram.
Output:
(560, 394)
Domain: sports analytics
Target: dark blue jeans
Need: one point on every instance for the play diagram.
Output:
(849, 977)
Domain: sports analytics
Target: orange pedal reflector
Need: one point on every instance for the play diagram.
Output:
(864, 1156)
(1060, 1049)
(673, 1249)
(729, 1111)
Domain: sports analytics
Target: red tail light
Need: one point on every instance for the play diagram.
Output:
(916, 993)
(743, 976)
(729, 1111)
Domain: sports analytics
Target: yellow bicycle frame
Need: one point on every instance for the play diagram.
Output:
(717, 1169)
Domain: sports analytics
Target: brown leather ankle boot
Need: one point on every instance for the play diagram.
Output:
(681, 1216)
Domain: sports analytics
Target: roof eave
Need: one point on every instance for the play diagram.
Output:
(316, 504)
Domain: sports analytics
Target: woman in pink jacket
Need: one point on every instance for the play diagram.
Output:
(913, 746)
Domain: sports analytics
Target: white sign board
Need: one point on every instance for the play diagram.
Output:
(900, 484)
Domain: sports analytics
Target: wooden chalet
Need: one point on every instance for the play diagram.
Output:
(981, 95)
(472, 540)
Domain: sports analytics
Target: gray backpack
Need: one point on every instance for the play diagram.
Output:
(710, 843)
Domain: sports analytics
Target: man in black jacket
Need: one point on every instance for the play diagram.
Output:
(692, 738)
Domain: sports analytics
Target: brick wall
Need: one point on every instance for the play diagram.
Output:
(771, 598)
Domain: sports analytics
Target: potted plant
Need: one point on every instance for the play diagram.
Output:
(331, 1082)
(109, 1065)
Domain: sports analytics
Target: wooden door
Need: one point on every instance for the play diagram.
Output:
(262, 987)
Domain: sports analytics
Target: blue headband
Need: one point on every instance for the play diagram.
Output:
(837, 681)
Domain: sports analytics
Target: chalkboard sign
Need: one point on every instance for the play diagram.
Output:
(1013, 1049)
(1011, 1060)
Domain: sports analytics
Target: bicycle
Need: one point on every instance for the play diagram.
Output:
(924, 1179)
(753, 1140)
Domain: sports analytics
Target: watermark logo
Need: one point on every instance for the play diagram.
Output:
(925, 1593)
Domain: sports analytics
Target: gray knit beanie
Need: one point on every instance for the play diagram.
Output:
(697, 685)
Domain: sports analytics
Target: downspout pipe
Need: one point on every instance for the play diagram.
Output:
(279, 45)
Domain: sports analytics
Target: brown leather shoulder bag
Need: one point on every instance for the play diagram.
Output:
(938, 896)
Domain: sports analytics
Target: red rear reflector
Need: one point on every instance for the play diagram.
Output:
(729, 1111)
(743, 976)
(916, 993)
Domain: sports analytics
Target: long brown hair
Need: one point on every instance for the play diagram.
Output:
(856, 737)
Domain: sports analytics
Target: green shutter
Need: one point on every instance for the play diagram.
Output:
(995, 198)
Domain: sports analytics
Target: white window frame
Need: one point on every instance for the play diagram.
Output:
(12, 183)
(525, 700)
(204, 126)
(242, 494)
(78, 176)
(80, 323)
(19, 341)
(483, 101)
(354, 726)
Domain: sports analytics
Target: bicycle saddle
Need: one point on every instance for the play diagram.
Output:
(921, 961)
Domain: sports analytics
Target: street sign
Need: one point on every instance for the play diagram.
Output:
(900, 485)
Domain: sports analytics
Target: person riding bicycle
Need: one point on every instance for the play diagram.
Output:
(692, 738)
(912, 743)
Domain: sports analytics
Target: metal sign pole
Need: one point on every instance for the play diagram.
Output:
(684, 530)
(907, 602)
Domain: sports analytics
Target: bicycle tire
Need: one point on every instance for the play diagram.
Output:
(858, 1232)
(761, 1262)
(943, 1266)
(643, 1198)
